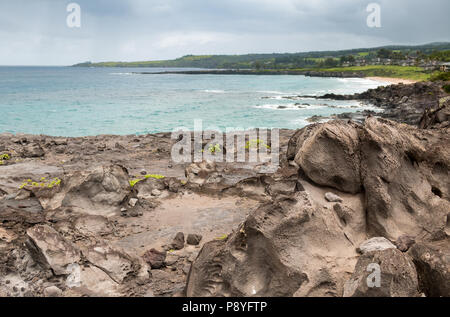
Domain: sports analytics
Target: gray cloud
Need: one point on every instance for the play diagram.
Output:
(35, 32)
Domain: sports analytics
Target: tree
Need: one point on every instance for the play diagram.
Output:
(330, 62)
(384, 53)
(258, 65)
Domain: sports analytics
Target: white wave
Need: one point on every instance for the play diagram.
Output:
(214, 91)
(286, 106)
(275, 97)
(272, 92)
(123, 74)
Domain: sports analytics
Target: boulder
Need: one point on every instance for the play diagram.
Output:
(52, 291)
(178, 241)
(405, 242)
(333, 198)
(51, 250)
(432, 261)
(385, 273)
(147, 187)
(284, 248)
(328, 154)
(438, 117)
(194, 239)
(402, 170)
(28, 211)
(155, 258)
(32, 150)
(97, 192)
(375, 244)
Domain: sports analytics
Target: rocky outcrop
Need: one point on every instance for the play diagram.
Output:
(309, 248)
(282, 249)
(329, 155)
(97, 192)
(438, 117)
(385, 273)
(402, 171)
(51, 250)
(402, 103)
(433, 267)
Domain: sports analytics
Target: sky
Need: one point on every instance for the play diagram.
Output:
(35, 32)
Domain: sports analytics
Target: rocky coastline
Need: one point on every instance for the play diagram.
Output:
(400, 103)
(308, 73)
(114, 216)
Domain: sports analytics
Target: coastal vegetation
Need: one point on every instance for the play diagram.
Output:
(258, 144)
(434, 51)
(3, 158)
(409, 62)
(133, 182)
(43, 183)
(443, 76)
(392, 71)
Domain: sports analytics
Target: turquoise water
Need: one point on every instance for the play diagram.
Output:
(64, 101)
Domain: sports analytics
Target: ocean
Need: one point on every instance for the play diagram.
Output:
(67, 101)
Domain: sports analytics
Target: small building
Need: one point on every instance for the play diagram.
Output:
(444, 67)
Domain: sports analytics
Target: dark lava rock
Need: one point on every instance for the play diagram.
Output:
(155, 258)
(194, 239)
(178, 241)
(403, 243)
(432, 262)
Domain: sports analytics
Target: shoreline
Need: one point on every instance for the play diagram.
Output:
(307, 73)
(393, 81)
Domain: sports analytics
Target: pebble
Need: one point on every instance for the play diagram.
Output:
(333, 198)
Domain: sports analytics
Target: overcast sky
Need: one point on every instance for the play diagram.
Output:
(34, 32)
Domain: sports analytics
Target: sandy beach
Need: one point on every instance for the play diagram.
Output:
(393, 81)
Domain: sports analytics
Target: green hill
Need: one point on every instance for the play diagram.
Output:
(319, 59)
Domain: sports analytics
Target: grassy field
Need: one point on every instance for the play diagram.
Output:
(404, 72)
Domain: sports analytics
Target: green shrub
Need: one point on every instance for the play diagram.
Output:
(446, 88)
(444, 76)
(213, 149)
(155, 176)
(256, 144)
(133, 182)
(3, 158)
(43, 183)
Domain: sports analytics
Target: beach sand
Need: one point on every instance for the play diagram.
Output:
(394, 81)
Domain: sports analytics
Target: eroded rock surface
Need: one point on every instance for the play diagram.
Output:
(397, 276)
(403, 171)
(283, 248)
(252, 229)
(299, 241)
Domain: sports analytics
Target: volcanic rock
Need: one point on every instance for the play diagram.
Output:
(375, 244)
(397, 276)
(432, 261)
(193, 239)
(51, 250)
